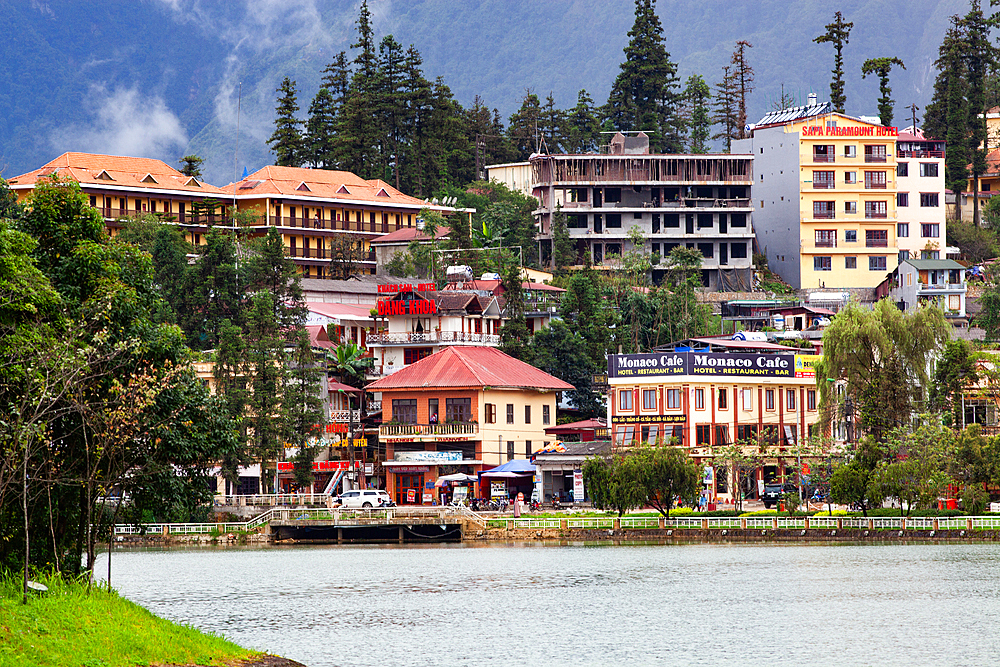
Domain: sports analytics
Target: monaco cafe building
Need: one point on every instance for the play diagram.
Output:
(707, 393)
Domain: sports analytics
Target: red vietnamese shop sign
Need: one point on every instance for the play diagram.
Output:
(405, 287)
(320, 466)
(411, 307)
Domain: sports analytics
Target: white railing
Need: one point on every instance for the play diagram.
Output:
(404, 338)
(272, 499)
(816, 522)
(345, 416)
(457, 428)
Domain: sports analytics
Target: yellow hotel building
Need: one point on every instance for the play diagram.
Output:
(826, 188)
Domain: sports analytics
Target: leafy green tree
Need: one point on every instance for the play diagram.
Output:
(977, 244)
(667, 473)
(861, 346)
(917, 476)
(741, 461)
(562, 352)
(644, 94)
(302, 406)
(266, 370)
(286, 143)
(849, 486)
(191, 165)
(514, 332)
(838, 34)
(954, 370)
(216, 285)
(696, 96)
(584, 308)
(614, 483)
(881, 67)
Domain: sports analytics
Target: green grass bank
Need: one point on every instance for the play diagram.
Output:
(71, 627)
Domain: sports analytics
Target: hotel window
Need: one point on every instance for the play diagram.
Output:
(546, 414)
(491, 413)
(930, 254)
(850, 151)
(723, 399)
(790, 399)
(876, 238)
(928, 169)
(851, 235)
(747, 395)
(699, 399)
(703, 434)
(673, 399)
(822, 263)
(811, 400)
(902, 199)
(527, 414)
(850, 177)
(876, 209)
(877, 263)
(404, 410)
(510, 413)
(875, 180)
(722, 435)
(625, 400)
(510, 450)
(527, 449)
(902, 229)
(929, 230)
(875, 153)
(824, 153)
(902, 169)
(458, 409)
(823, 180)
(903, 256)
(648, 399)
(769, 400)
(928, 199)
(824, 210)
(826, 238)
(850, 207)
(746, 432)
(850, 262)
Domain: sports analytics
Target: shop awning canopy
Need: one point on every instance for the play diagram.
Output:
(456, 478)
(513, 468)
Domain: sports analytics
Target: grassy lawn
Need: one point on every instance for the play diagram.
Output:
(69, 626)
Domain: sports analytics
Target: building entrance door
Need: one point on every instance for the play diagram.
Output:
(405, 483)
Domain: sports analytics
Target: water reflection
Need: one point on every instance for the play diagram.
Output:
(539, 604)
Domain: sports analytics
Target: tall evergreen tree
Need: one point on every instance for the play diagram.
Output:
(563, 247)
(321, 127)
(881, 67)
(191, 165)
(743, 78)
(838, 34)
(644, 95)
(947, 116)
(726, 108)
(215, 291)
(583, 131)
(418, 99)
(696, 99)
(286, 142)
(356, 128)
(980, 58)
(390, 106)
(523, 128)
(552, 126)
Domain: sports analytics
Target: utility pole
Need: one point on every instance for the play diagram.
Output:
(913, 111)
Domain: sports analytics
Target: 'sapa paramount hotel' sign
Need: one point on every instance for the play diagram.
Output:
(701, 363)
(849, 131)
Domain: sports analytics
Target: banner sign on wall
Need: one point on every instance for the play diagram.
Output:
(700, 363)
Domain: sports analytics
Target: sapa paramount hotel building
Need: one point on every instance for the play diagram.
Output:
(707, 393)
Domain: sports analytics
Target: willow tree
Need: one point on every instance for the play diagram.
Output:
(883, 355)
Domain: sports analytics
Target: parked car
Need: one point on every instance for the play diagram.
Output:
(773, 493)
(365, 499)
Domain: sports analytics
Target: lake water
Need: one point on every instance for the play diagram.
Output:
(593, 604)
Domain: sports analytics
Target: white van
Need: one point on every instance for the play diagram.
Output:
(366, 499)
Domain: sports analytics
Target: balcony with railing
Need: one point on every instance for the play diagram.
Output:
(875, 157)
(428, 430)
(433, 337)
(823, 157)
(824, 213)
(919, 153)
(345, 416)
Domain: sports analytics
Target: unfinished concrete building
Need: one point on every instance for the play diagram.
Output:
(700, 201)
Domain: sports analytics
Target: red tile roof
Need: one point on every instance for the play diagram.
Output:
(318, 337)
(117, 171)
(407, 234)
(301, 183)
(473, 367)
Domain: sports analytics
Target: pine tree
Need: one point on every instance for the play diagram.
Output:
(418, 103)
(390, 106)
(696, 97)
(726, 108)
(837, 33)
(980, 58)
(286, 142)
(514, 332)
(583, 131)
(743, 76)
(524, 124)
(337, 79)
(192, 165)
(356, 128)
(644, 94)
(551, 126)
(881, 67)
(947, 117)
(215, 291)
(321, 128)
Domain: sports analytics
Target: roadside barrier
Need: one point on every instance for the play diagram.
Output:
(751, 523)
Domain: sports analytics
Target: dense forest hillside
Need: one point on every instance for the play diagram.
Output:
(160, 78)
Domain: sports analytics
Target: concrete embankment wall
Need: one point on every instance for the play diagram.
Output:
(694, 535)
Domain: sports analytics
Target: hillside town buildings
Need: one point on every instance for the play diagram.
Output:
(921, 220)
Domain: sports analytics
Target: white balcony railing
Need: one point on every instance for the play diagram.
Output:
(460, 428)
(345, 416)
(406, 338)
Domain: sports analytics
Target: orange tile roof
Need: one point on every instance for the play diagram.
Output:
(474, 367)
(301, 183)
(124, 172)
